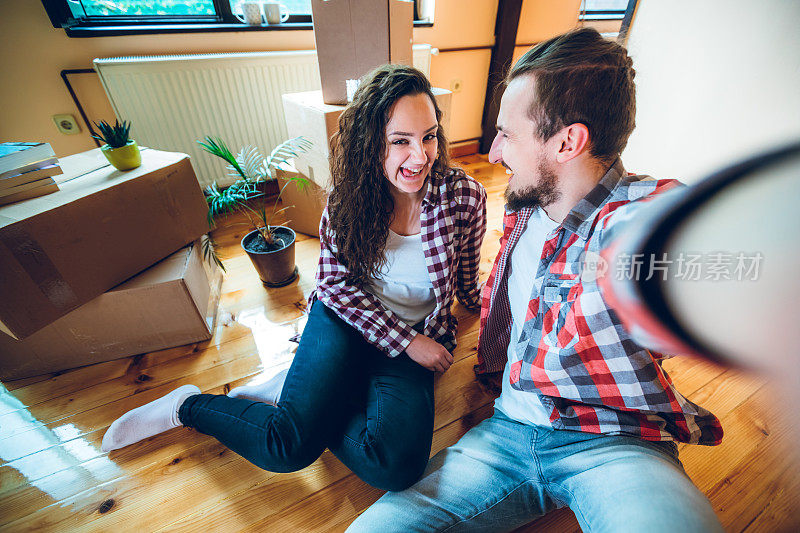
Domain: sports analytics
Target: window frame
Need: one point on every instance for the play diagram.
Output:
(61, 17)
(602, 14)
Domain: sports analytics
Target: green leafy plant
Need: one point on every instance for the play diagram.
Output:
(209, 249)
(115, 136)
(250, 168)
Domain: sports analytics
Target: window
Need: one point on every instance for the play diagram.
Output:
(603, 9)
(138, 8)
(93, 18)
(85, 18)
(166, 8)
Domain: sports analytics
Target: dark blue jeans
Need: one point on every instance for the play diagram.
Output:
(375, 413)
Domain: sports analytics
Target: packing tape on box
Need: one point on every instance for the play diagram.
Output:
(35, 262)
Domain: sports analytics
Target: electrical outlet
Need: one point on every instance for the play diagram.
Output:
(66, 124)
(455, 85)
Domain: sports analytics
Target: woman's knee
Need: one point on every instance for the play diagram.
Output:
(399, 468)
(291, 459)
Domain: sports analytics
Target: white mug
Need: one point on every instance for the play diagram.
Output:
(275, 12)
(252, 13)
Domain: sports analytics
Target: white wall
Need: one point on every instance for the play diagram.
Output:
(717, 80)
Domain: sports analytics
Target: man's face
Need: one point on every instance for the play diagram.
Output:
(528, 161)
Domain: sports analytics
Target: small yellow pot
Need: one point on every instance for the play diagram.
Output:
(125, 157)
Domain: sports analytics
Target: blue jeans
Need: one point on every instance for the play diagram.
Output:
(375, 413)
(502, 474)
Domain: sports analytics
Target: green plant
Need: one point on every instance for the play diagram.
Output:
(115, 136)
(251, 169)
(209, 249)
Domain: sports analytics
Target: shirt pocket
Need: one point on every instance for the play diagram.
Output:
(559, 296)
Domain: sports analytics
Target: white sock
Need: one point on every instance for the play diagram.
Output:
(148, 420)
(267, 392)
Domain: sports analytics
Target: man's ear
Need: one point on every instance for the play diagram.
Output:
(573, 141)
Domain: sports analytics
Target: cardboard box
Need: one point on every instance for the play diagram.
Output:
(62, 250)
(172, 303)
(355, 36)
(308, 115)
(303, 208)
(316, 167)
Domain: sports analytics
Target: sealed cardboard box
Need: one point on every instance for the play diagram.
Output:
(355, 36)
(303, 206)
(308, 115)
(172, 303)
(62, 250)
(316, 167)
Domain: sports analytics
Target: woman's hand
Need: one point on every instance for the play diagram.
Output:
(430, 354)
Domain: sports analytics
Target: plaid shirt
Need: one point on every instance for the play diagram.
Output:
(586, 368)
(453, 221)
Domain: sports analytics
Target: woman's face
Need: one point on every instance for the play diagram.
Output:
(411, 143)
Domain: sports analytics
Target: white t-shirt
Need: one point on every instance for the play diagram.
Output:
(405, 286)
(522, 406)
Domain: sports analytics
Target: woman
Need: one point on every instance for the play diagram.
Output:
(400, 236)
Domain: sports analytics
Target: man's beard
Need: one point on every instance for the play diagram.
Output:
(543, 194)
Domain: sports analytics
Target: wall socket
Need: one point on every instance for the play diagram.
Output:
(66, 124)
(455, 85)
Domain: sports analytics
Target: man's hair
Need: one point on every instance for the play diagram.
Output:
(360, 204)
(580, 77)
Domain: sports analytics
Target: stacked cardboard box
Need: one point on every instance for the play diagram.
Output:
(172, 303)
(355, 36)
(61, 253)
(304, 206)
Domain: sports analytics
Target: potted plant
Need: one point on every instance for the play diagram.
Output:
(120, 151)
(270, 247)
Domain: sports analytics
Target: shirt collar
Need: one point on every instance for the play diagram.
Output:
(581, 218)
(433, 186)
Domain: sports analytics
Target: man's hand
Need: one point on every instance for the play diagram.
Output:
(429, 353)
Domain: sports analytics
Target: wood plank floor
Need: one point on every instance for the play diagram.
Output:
(54, 478)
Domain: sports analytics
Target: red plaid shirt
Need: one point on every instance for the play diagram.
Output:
(585, 366)
(453, 221)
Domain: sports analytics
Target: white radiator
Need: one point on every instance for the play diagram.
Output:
(173, 101)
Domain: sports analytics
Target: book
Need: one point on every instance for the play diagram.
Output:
(29, 176)
(30, 193)
(42, 163)
(15, 155)
(26, 186)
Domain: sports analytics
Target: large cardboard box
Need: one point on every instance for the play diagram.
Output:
(304, 207)
(62, 250)
(308, 115)
(172, 303)
(355, 36)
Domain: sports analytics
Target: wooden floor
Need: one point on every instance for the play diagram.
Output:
(53, 476)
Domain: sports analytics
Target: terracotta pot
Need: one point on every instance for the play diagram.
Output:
(125, 157)
(276, 268)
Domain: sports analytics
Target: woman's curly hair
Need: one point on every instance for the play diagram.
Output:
(360, 203)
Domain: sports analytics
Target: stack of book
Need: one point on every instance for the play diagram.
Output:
(26, 171)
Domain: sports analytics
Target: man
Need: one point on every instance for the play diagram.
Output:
(586, 418)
